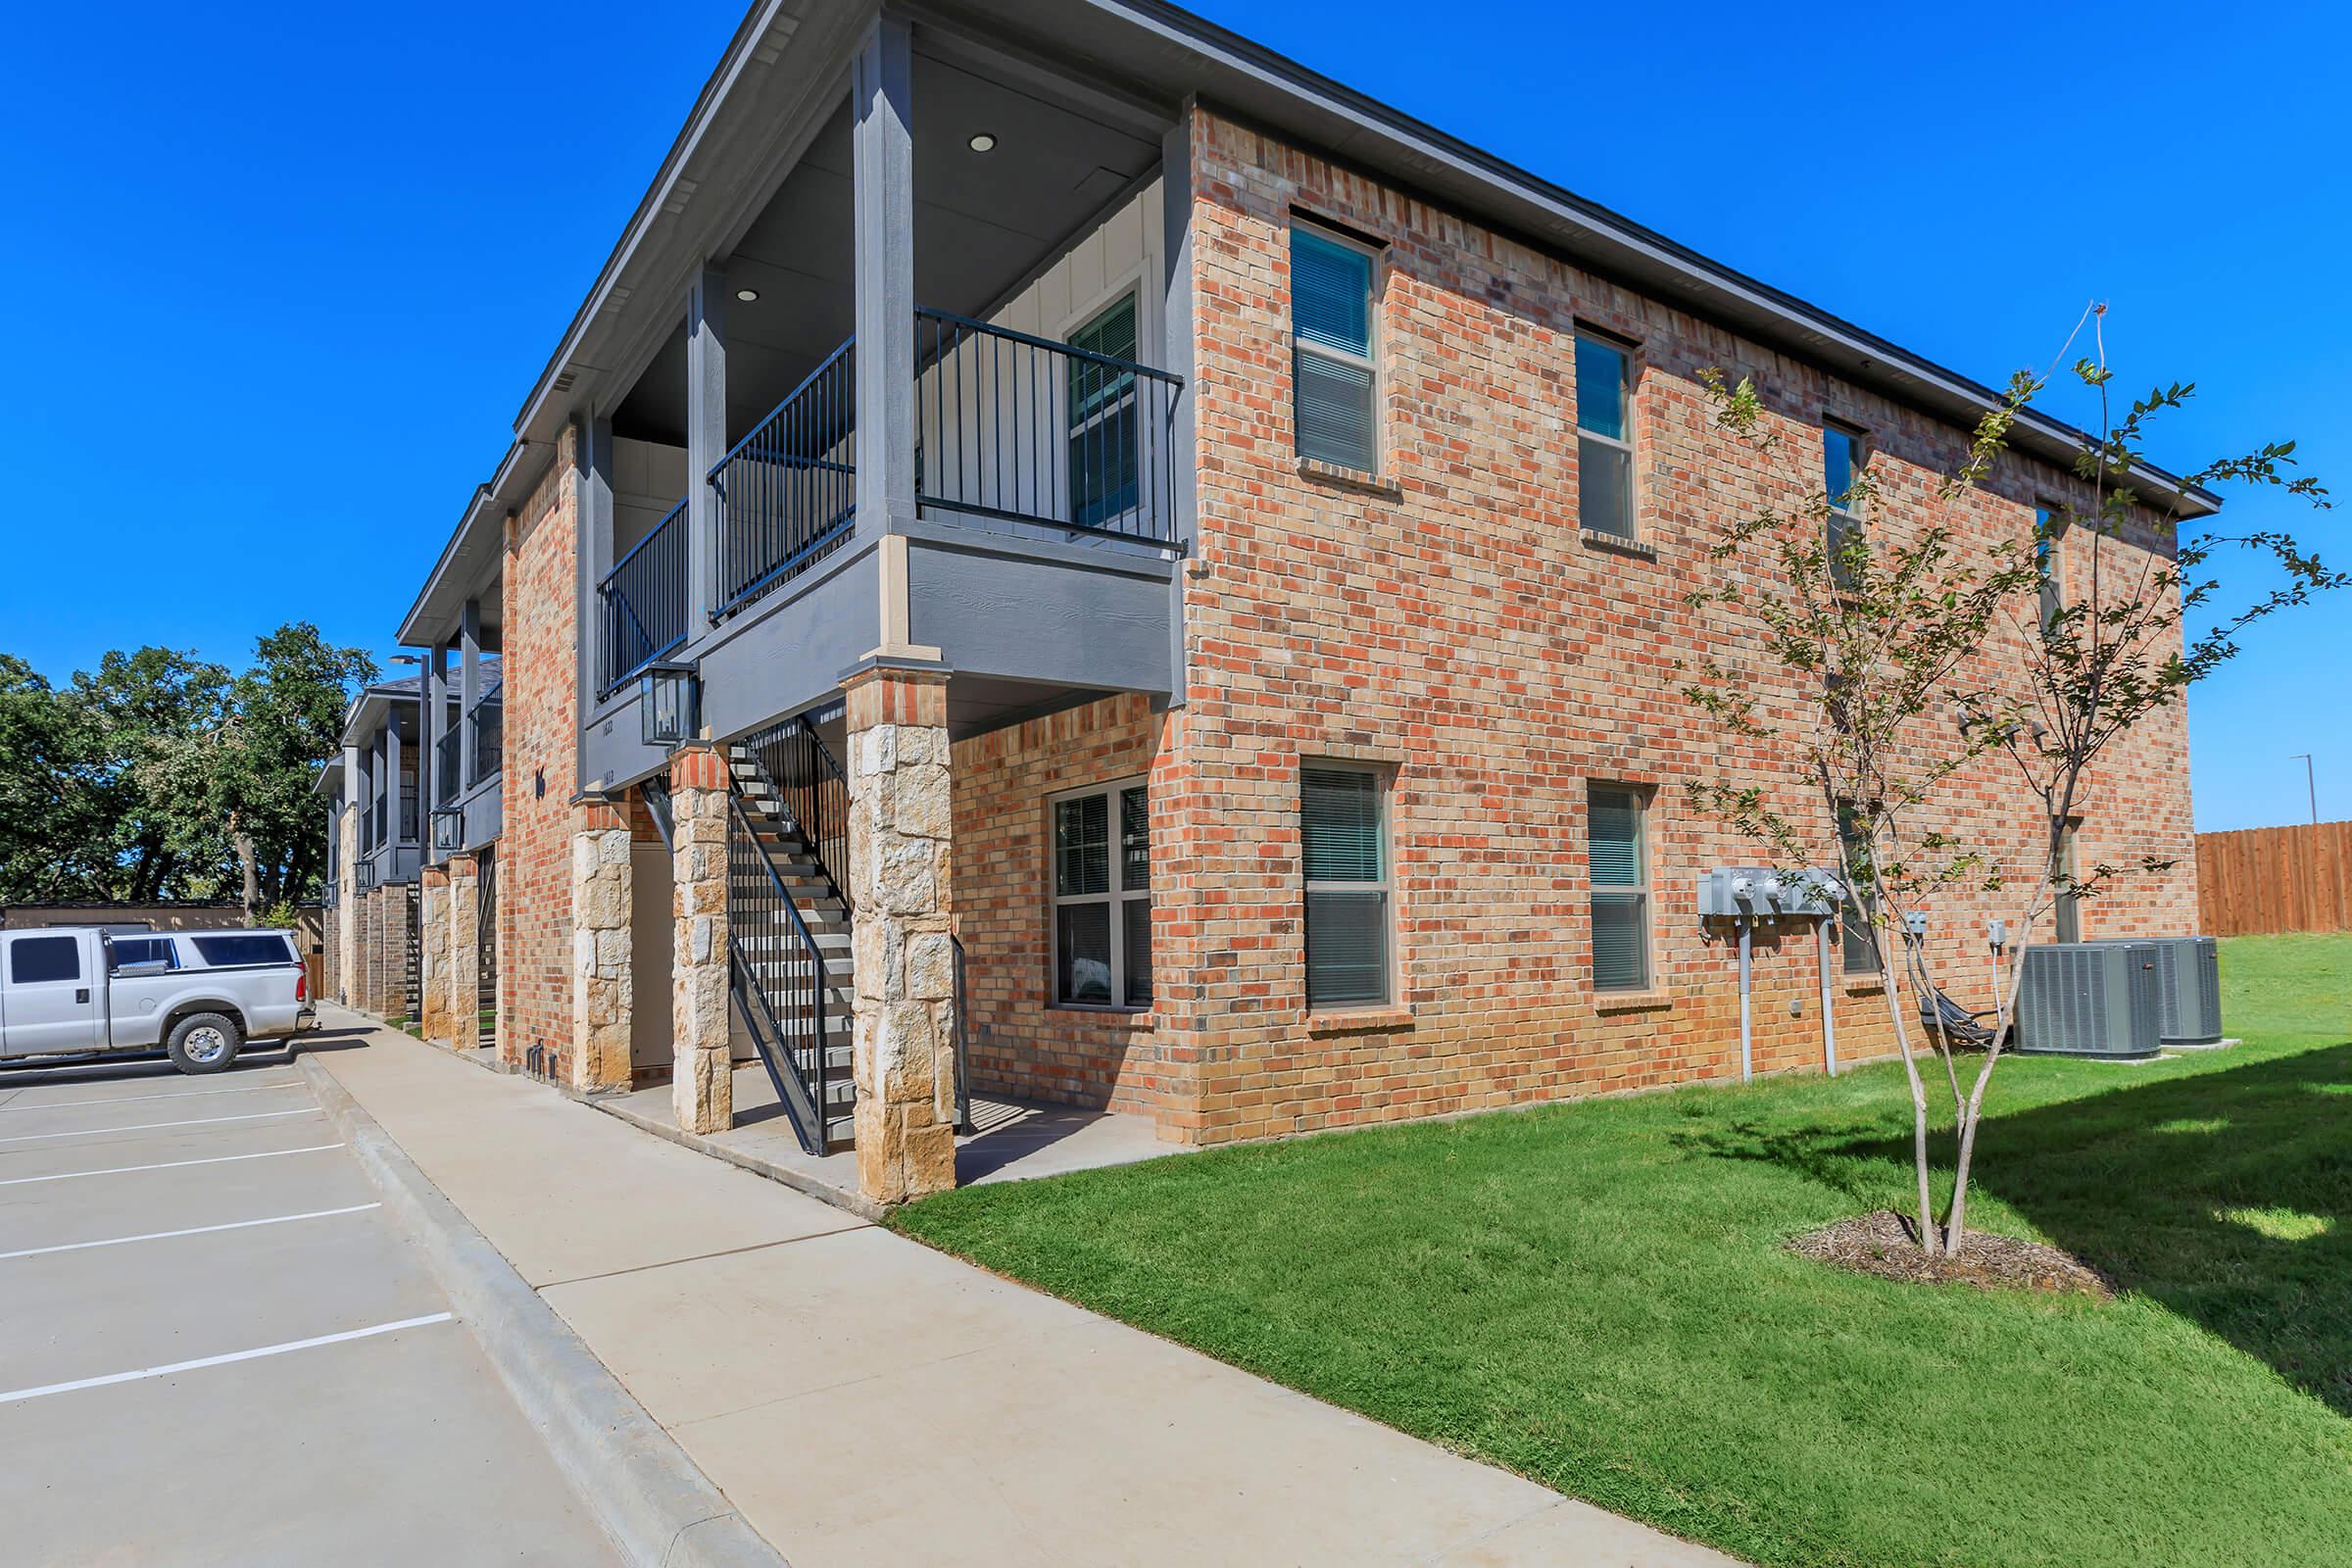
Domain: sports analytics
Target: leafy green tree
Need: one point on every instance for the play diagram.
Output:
(53, 829)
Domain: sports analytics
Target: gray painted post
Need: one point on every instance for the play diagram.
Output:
(470, 687)
(1176, 317)
(392, 773)
(596, 557)
(432, 721)
(355, 785)
(882, 100)
(706, 436)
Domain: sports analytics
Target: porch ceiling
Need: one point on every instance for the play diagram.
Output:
(983, 223)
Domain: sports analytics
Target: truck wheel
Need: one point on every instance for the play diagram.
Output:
(204, 1042)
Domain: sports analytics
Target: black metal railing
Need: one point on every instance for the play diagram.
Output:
(1032, 430)
(779, 979)
(787, 492)
(485, 947)
(645, 598)
(964, 1071)
(383, 822)
(811, 791)
(446, 753)
(408, 810)
(489, 722)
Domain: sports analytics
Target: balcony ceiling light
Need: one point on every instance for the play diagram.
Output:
(983, 142)
(747, 295)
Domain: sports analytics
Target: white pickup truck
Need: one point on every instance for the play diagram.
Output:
(201, 996)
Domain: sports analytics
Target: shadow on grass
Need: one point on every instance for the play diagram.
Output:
(2225, 1195)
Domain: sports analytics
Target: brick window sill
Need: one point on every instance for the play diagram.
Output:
(1607, 1002)
(1110, 1017)
(1864, 985)
(1361, 1021)
(1594, 539)
(1331, 473)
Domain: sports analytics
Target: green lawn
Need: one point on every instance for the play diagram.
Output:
(1596, 1295)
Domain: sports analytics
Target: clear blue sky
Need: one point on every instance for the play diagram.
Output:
(275, 286)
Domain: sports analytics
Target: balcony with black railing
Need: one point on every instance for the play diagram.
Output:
(447, 751)
(489, 736)
(644, 602)
(787, 492)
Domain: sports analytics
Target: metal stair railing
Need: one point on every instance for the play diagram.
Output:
(807, 781)
(778, 973)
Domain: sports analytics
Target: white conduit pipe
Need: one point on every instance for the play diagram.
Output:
(1829, 1017)
(1747, 1062)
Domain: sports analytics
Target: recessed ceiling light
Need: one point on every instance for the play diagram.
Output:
(747, 295)
(983, 142)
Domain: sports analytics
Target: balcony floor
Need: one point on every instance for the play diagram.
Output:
(1016, 1139)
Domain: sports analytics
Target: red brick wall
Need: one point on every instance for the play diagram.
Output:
(1019, 1042)
(1454, 627)
(539, 643)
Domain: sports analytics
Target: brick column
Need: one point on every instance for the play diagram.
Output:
(463, 978)
(702, 1084)
(601, 994)
(901, 843)
(363, 992)
(347, 899)
(432, 955)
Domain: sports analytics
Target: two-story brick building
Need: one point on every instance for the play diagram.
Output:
(1061, 531)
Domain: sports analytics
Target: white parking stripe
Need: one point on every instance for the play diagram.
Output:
(150, 1126)
(126, 1100)
(193, 1230)
(13, 1394)
(168, 1164)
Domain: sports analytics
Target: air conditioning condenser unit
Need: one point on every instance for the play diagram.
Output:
(2090, 998)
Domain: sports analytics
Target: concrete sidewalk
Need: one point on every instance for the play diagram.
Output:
(863, 1400)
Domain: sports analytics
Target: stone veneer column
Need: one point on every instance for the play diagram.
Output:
(601, 979)
(702, 1084)
(432, 952)
(900, 844)
(461, 975)
(346, 901)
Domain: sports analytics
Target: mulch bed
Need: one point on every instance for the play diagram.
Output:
(1886, 1244)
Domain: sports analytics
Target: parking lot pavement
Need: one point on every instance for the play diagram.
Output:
(215, 1348)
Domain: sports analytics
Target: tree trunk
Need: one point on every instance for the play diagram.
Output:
(1919, 1105)
(1956, 1228)
(251, 892)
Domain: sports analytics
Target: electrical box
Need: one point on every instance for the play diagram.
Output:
(1760, 893)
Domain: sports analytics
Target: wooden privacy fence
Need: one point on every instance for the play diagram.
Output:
(2295, 878)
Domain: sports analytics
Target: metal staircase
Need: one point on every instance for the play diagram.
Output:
(792, 961)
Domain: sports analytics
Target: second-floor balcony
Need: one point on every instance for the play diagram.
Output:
(1069, 441)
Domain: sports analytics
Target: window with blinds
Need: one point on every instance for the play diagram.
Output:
(1620, 874)
(1342, 835)
(1334, 373)
(1858, 946)
(1841, 459)
(1605, 438)
(1103, 898)
(2049, 522)
(1105, 465)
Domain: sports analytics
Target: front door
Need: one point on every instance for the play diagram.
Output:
(51, 1003)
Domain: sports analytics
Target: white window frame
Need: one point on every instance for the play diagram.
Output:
(1369, 361)
(1129, 286)
(1117, 896)
(1861, 449)
(1384, 780)
(1632, 381)
(1642, 888)
(2050, 516)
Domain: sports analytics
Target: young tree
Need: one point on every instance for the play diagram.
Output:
(1884, 626)
(1873, 628)
(2111, 645)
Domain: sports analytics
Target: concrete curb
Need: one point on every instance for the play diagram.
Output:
(656, 1505)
